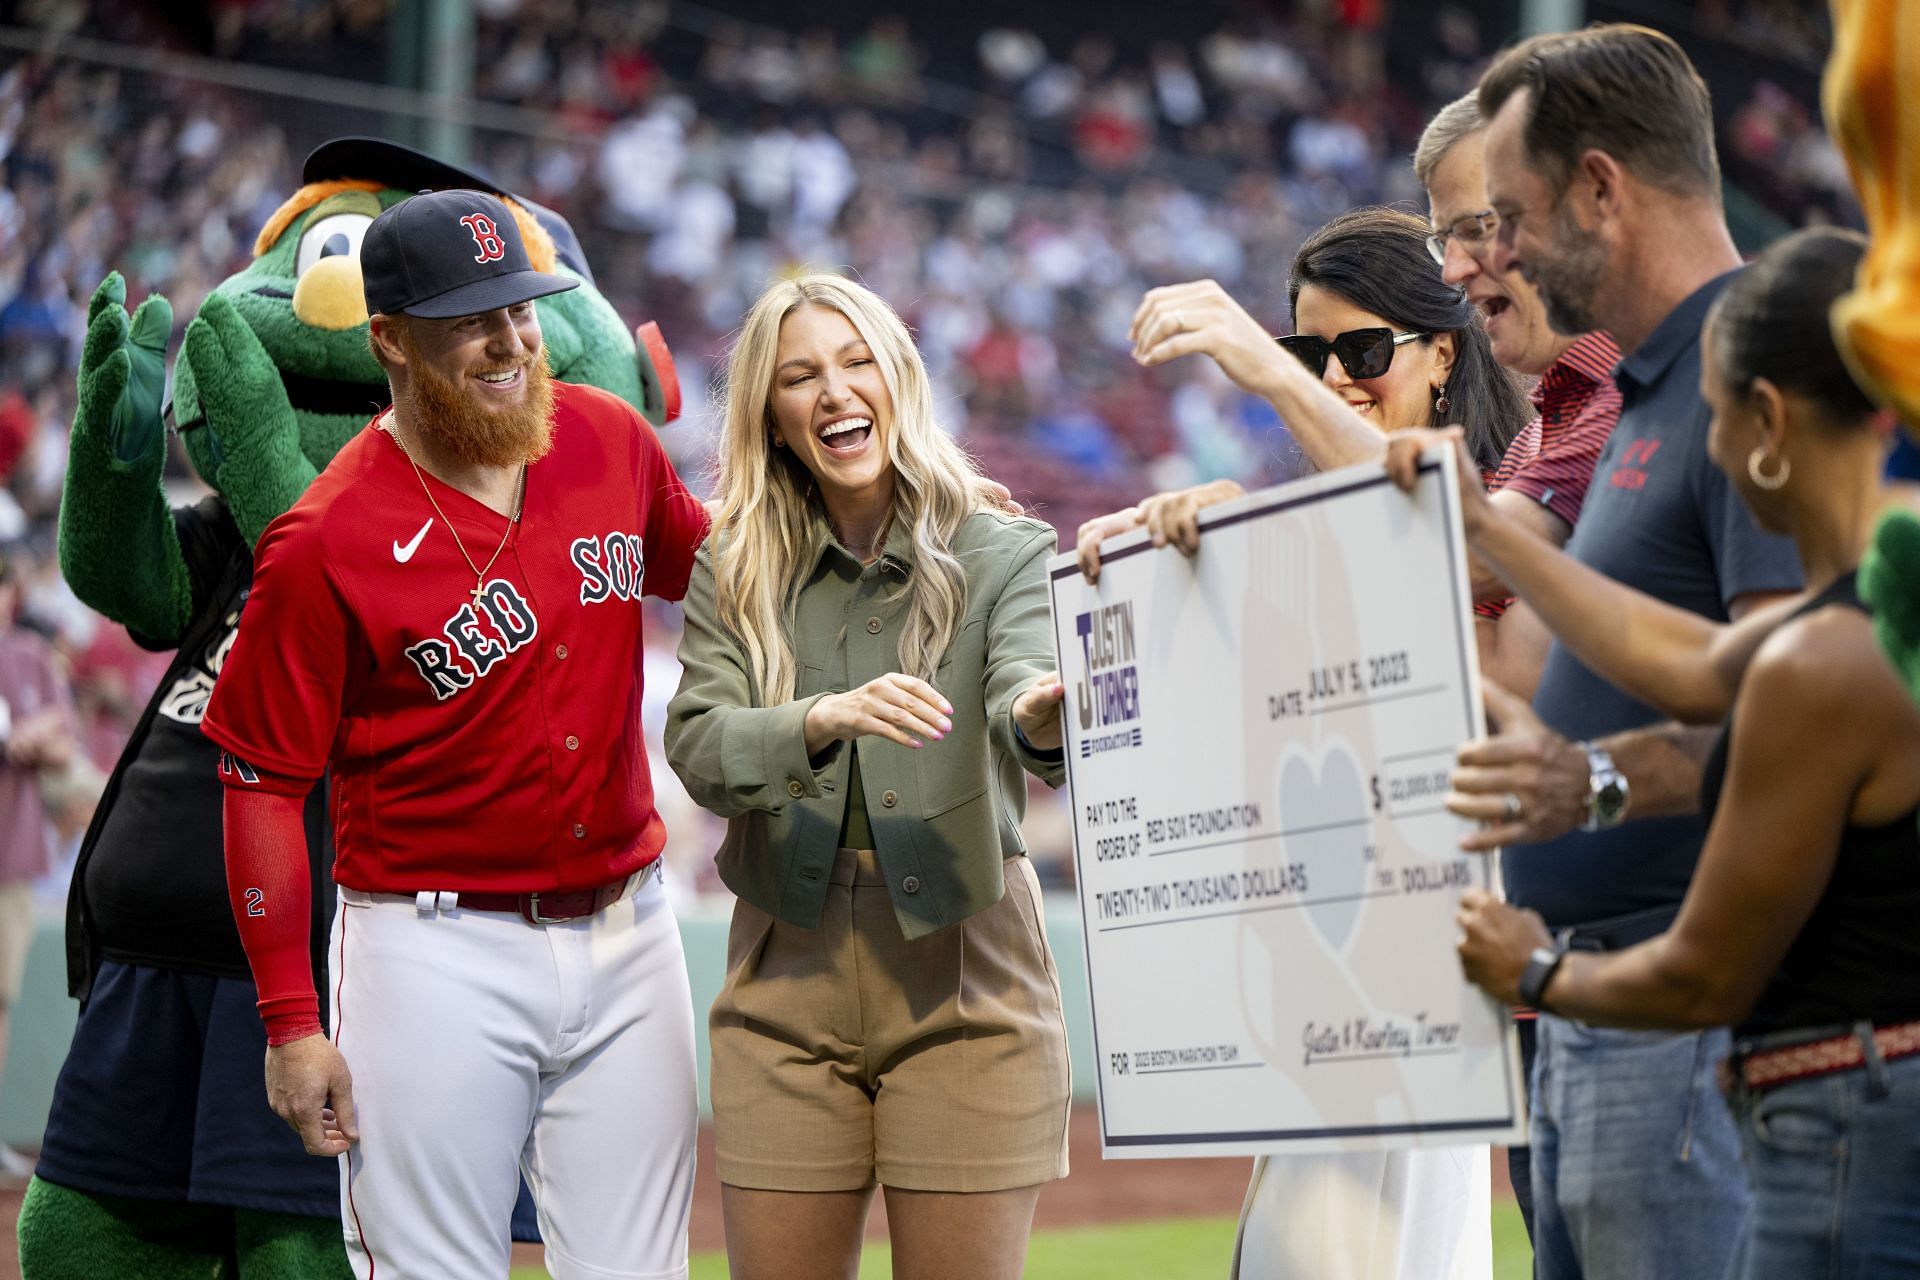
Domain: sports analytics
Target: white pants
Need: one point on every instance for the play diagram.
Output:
(483, 1047)
(1377, 1215)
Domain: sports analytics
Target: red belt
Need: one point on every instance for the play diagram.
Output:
(1767, 1068)
(558, 908)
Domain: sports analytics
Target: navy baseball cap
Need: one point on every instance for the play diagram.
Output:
(442, 254)
(393, 165)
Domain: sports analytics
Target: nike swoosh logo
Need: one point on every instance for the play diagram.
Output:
(404, 554)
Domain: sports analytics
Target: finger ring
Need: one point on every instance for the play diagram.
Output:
(1510, 807)
(1179, 322)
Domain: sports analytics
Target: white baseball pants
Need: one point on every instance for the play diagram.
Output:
(481, 1047)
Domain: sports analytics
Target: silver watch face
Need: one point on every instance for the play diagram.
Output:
(1609, 801)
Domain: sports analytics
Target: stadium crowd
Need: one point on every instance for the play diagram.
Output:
(1016, 200)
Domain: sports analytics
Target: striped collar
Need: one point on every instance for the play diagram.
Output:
(1589, 362)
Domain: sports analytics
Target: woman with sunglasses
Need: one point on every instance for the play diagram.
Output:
(1381, 344)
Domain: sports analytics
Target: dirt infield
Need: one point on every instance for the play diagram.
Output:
(1099, 1191)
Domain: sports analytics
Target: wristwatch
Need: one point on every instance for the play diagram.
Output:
(1539, 971)
(1607, 793)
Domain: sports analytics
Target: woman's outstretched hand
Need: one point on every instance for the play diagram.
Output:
(899, 708)
(1174, 518)
(1037, 712)
(1200, 318)
(1098, 530)
(1170, 517)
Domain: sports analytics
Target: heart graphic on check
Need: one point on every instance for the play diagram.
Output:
(1325, 824)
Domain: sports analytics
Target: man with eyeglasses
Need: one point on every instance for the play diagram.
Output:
(1542, 481)
(1545, 472)
(1551, 463)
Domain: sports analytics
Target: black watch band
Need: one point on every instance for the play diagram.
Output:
(1540, 969)
(1045, 755)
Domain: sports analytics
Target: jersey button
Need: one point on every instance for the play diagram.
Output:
(889, 799)
(579, 831)
(873, 626)
(795, 789)
(560, 651)
(573, 743)
(910, 885)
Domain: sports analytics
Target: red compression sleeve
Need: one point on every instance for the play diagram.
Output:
(272, 896)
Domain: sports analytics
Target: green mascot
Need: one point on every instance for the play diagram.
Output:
(1871, 98)
(162, 1159)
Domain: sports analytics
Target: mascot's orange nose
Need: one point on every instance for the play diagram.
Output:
(329, 295)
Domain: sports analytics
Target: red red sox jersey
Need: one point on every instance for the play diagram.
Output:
(488, 743)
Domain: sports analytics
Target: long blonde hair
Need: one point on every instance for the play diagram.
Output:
(767, 500)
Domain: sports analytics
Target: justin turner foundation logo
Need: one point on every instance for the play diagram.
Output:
(1108, 700)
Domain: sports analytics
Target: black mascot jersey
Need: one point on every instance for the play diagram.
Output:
(150, 884)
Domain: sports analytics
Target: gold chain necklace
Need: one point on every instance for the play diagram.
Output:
(519, 496)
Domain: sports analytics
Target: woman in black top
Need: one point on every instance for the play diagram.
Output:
(1802, 923)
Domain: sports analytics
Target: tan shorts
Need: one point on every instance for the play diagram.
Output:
(16, 937)
(845, 1055)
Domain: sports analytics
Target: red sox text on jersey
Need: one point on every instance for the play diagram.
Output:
(611, 566)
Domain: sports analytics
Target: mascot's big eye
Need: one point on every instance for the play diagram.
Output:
(331, 236)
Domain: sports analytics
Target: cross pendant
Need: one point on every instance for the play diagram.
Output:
(479, 589)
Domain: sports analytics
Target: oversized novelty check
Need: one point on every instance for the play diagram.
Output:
(1258, 742)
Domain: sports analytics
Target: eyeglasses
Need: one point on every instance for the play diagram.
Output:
(1472, 231)
(1363, 353)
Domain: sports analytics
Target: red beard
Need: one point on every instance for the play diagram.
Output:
(461, 421)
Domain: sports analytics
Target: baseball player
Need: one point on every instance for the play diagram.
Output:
(450, 618)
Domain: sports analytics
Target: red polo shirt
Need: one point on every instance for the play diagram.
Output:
(1551, 460)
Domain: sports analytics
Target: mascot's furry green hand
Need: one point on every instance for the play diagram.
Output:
(1890, 582)
(274, 376)
(119, 443)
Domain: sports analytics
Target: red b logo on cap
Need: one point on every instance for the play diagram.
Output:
(491, 247)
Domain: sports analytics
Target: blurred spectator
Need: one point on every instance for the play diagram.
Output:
(36, 754)
(1175, 87)
(1778, 150)
(884, 63)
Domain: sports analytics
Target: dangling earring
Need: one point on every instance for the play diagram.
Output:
(1778, 480)
(1441, 404)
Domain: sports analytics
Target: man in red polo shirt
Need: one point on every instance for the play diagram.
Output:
(448, 623)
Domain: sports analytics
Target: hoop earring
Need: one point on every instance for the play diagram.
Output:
(1441, 404)
(1771, 483)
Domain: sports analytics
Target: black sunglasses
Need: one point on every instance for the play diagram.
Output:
(1363, 353)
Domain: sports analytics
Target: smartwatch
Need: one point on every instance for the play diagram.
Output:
(1539, 971)
(1607, 792)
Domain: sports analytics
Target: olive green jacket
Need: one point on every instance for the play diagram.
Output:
(944, 816)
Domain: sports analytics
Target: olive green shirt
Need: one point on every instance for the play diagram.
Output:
(943, 817)
(855, 831)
